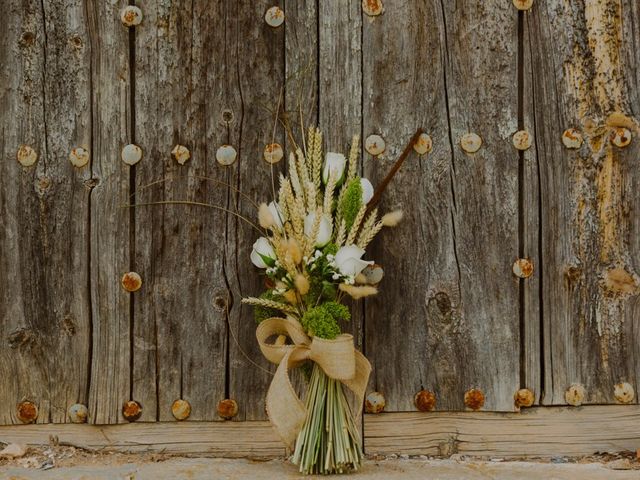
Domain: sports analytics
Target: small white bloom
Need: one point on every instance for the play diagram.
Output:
(335, 276)
(324, 233)
(330, 257)
(348, 260)
(367, 190)
(263, 255)
(276, 211)
(334, 162)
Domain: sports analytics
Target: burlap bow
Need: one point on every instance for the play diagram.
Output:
(338, 358)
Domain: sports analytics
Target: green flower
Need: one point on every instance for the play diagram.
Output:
(322, 321)
(351, 202)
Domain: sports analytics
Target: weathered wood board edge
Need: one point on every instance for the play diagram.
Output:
(536, 432)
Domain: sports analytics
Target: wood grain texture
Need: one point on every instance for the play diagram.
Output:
(180, 331)
(584, 59)
(44, 303)
(224, 439)
(449, 302)
(536, 432)
(257, 55)
(110, 383)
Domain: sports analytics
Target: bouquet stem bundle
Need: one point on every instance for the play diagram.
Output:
(329, 441)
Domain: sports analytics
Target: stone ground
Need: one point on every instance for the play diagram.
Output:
(69, 463)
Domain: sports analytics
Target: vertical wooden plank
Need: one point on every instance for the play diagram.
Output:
(340, 95)
(584, 58)
(449, 301)
(109, 245)
(44, 304)
(179, 333)
(257, 51)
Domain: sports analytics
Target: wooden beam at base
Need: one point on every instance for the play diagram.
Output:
(220, 439)
(535, 432)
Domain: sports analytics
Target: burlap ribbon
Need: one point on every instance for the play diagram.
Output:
(338, 358)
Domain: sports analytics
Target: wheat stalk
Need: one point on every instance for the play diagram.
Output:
(263, 302)
(356, 225)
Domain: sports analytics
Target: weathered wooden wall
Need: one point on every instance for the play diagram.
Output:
(451, 316)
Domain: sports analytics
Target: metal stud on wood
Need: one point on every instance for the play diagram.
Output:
(79, 157)
(273, 153)
(227, 408)
(572, 138)
(181, 409)
(131, 281)
(575, 394)
(26, 155)
(226, 155)
(78, 413)
(27, 412)
(181, 154)
(425, 401)
(523, 268)
(375, 144)
(522, 140)
(523, 398)
(423, 145)
(620, 137)
(131, 410)
(131, 154)
(274, 16)
(374, 403)
(624, 393)
(474, 399)
(523, 4)
(471, 142)
(373, 8)
(131, 16)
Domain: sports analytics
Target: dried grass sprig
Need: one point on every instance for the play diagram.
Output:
(357, 292)
(341, 234)
(328, 194)
(367, 228)
(263, 302)
(356, 225)
(366, 239)
(317, 159)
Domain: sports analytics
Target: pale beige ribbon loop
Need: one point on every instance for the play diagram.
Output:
(338, 359)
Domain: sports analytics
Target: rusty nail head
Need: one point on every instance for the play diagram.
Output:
(227, 408)
(274, 16)
(78, 413)
(523, 268)
(624, 392)
(226, 155)
(131, 154)
(26, 155)
(373, 8)
(27, 412)
(181, 409)
(522, 140)
(131, 281)
(474, 399)
(423, 145)
(471, 142)
(374, 403)
(523, 4)
(425, 401)
(620, 137)
(523, 398)
(181, 154)
(572, 138)
(131, 16)
(79, 157)
(131, 410)
(575, 394)
(374, 144)
(273, 153)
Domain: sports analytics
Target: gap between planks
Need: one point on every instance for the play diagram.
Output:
(535, 432)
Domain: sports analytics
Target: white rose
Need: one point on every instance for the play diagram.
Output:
(324, 232)
(367, 190)
(348, 260)
(262, 254)
(276, 212)
(334, 162)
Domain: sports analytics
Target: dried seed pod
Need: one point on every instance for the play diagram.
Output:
(425, 401)
(372, 274)
(374, 144)
(79, 157)
(131, 281)
(624, 392)
(523, 4)
(523, 398)
(575, 394)
(226, 155)
(374, 403)
(78, 413)
(227, 408)
(474, 399)
(26, 155)
(373, 8)
(522, 140)
(131, 16)
(181, 154)
(273, 153)
(620, 137)
(471, 142)
(27, 412)
(181, 409)
(572, 138)
(131, 410)
(523, 268)
(274, 16)
(423, 145)
(131, 154)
